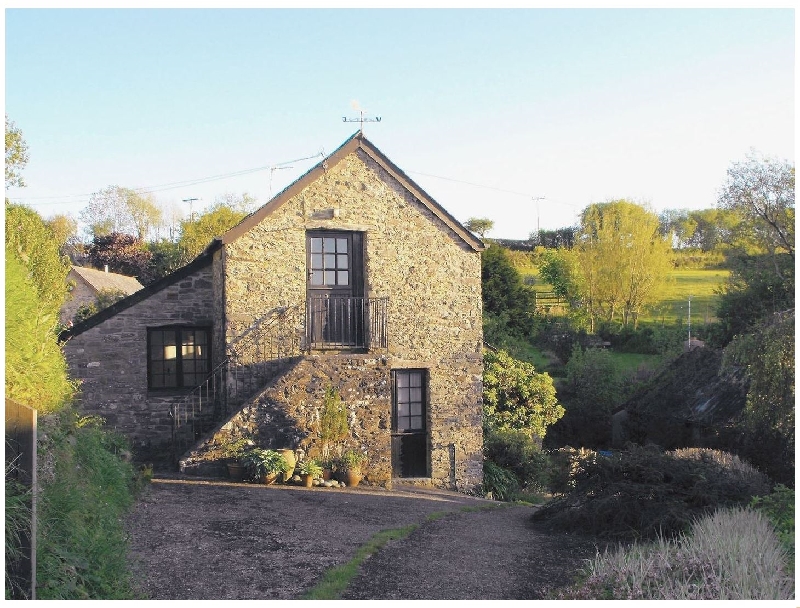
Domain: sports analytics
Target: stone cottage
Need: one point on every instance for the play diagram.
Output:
(85, 284)
(352, 279)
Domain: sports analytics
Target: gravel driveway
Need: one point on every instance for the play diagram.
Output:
(193, 539)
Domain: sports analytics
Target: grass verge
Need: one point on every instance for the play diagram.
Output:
(336, 580)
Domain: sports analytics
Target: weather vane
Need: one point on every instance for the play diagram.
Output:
(361, 119)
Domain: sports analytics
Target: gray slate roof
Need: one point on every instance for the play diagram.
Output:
(99, 279)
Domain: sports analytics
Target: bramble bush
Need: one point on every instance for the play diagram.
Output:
(644, 492)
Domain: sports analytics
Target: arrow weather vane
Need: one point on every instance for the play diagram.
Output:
(361, 119)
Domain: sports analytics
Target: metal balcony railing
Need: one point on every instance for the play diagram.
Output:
(346, 323)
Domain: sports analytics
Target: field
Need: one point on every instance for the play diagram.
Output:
(702, 285)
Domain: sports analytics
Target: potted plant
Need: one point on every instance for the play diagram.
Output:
(351, 467)
(232, 451)
(263, 465)
(291, 460)
(331, 427)
(308, 471)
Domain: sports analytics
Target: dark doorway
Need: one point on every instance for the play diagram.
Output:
(409, 423)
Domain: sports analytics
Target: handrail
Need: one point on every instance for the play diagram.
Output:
(237, 377)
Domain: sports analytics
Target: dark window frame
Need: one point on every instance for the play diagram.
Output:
(181, 370)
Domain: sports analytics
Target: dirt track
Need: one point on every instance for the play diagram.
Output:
(218, 540)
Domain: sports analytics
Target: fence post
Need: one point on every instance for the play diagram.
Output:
(21, 450)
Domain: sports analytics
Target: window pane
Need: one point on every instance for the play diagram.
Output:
(156, 351)
(402, 409)
(156, 338)
(170, 369)
(316, 261)
(200, 337)
(187, 350)
(402, 395)
(341, 262)
(329, 245)
(415, 409)
(415, 395)
(330, 277)
(316, 245)
(317, 277)
(415, 378)
(157, 368)
(343, 278)
(415, 423)
(402, 379)
(170, 352)
(330, 261)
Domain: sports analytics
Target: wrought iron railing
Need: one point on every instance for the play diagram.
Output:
(261, 352)
(257, 355)
(339, 322)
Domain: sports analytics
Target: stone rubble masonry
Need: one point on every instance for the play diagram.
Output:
(110, 361)
(431, 277)
(433, 282)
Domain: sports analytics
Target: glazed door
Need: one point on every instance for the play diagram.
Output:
(336, 309)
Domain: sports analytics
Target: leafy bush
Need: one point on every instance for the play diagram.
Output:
(779, 508)
(36, 371)
(644, 492)
(516, 397)
(728, 555)
(518, 453)
(501, 483)
(104, 299)
(260, 463)
(87, 486)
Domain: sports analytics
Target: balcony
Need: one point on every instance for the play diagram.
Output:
(346, 323)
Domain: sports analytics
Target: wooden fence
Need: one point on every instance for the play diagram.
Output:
(21, 466)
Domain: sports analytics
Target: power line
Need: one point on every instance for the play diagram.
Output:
(527, 195)
(171, 185)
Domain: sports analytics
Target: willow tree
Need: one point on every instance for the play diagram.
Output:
(624, 260)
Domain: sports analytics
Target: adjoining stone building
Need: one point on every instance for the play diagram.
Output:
(352, 278)
(85, 284)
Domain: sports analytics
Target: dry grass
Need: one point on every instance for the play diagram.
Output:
(732, 554)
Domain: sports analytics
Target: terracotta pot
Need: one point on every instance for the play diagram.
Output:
(291, 460)
(352, 478)
(235, 471)
(270, 478)
(308, 480)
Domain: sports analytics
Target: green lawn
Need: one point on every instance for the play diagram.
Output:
(701, 285)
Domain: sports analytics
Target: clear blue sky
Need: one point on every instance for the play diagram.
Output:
(573, 105)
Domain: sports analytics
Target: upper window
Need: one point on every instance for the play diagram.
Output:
(329, 261)
(178, 357)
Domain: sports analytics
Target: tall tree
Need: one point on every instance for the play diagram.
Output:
(36, 372)
(121, 210)
(198, 233)
(124, 254)
(762, 191)
(479, 225)
(623, 258)
(16, 154)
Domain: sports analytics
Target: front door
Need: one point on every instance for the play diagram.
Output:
(335, 288)
(410, 423)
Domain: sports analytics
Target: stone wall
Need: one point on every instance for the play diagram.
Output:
(80, 294)
(110, 361)
(431, 277)
(282, 416)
